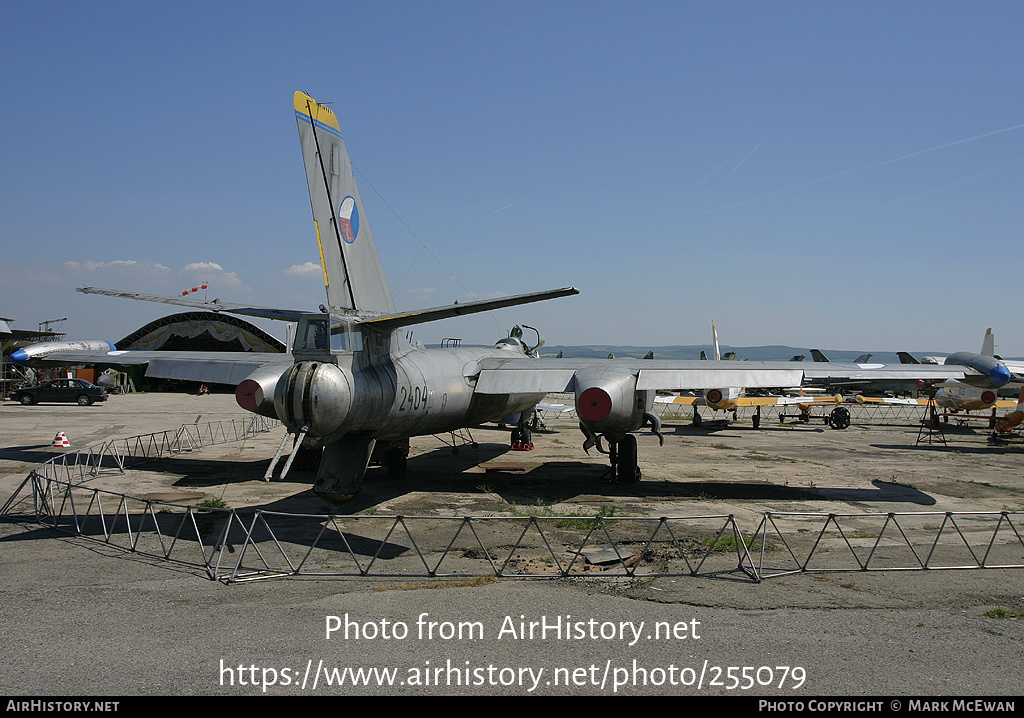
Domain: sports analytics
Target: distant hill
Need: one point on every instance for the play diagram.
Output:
(773, 352)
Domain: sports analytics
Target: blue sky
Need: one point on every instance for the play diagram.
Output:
(818, 174)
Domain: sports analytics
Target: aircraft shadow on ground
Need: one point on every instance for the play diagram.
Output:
(442, 471)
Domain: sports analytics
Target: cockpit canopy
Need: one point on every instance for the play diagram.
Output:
(326, 334)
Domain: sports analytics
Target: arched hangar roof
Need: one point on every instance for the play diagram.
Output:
(201, 331)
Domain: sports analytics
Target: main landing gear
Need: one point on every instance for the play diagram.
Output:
(621, 452)
(522, 435)
(623, 456)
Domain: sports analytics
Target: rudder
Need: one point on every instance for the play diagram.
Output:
(353, 274)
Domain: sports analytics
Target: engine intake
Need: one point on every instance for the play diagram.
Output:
(315, 396)
(608, 402)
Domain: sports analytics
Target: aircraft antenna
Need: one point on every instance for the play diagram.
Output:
(423, 246)
(330, 201)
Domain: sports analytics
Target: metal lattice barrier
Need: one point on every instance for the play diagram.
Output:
(891, 541)
(239, 545)
(248, 544)
(119, 455)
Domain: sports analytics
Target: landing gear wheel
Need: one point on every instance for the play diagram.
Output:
(626, 469)
(839, 418)
(396, 461)
(522, 439)
(756, 420)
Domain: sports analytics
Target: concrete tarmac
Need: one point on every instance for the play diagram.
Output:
(81, 618)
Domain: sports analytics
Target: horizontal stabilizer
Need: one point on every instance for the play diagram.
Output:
(291, 315)
(421, 316)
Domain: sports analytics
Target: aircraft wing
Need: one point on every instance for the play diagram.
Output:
(903, 401)
(752, 400)
(503, 376)
(922, 401)
(555, 408)
(499, 376)
(209, 367)
(681, 400)
(839, 371)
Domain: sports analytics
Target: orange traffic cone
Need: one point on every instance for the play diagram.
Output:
(61, 441)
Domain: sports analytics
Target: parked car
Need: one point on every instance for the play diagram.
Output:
(85, 393)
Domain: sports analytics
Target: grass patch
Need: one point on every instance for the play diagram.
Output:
(566, 520)
(208, 505)
(727, 542)
(759, 456)
(995, 486)
(1001, 613)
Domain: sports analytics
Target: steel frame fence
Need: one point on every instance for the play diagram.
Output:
(119, 455)
(234, 545)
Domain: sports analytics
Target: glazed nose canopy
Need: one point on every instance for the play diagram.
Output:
(594, 404)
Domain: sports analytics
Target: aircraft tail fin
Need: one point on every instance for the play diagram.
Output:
(988, 345)
(907, 358)
(714, 340)
(818, 356)
(352, 270)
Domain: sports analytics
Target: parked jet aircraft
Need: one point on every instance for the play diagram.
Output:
(733, 398)
(353, 379)
(817, 355)
(953, 395)
(950, 395)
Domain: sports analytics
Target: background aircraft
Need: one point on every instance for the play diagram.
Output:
(952, 395)
(733, 398)
(353, 379)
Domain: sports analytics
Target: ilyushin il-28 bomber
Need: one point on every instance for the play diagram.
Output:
(353, 379)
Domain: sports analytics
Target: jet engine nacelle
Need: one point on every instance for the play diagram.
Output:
(989, 367)
(608, 402)
(256, 392)
(314, 397)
